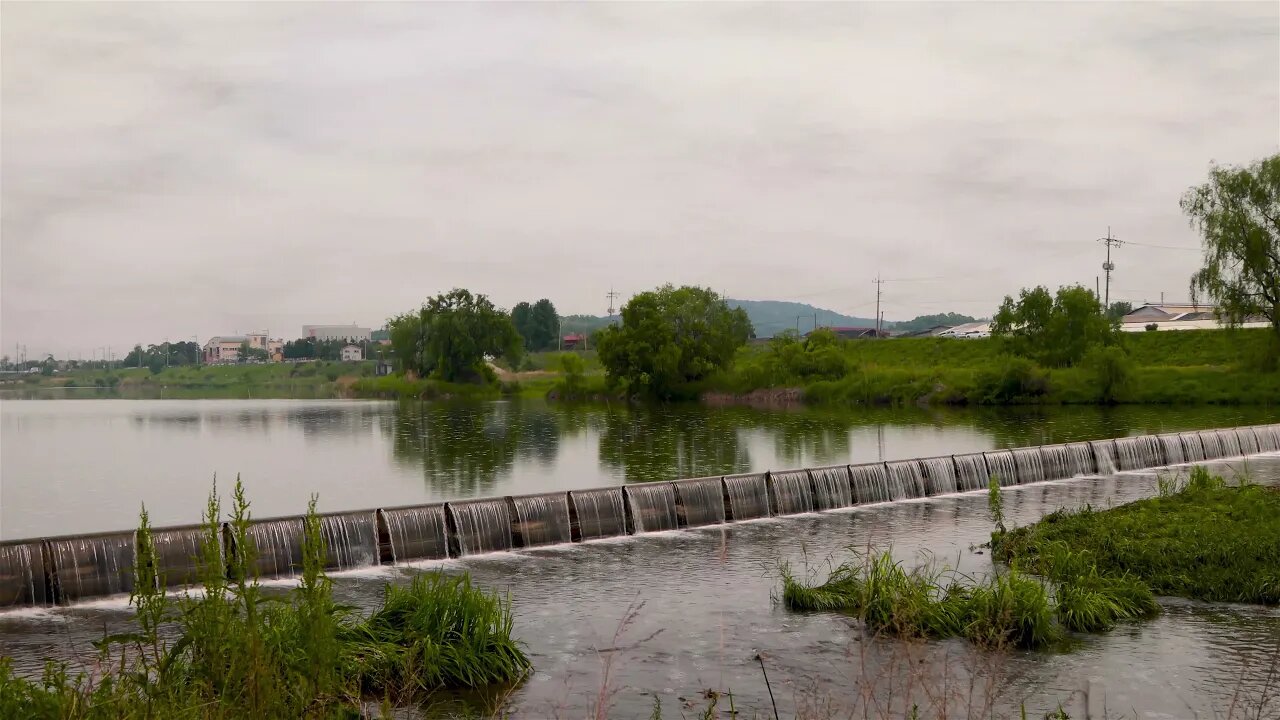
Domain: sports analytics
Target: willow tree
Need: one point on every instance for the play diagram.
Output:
(1238, 214)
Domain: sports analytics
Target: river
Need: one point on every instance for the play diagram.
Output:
(701, 602)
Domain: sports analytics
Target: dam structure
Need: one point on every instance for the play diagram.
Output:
(63, 570)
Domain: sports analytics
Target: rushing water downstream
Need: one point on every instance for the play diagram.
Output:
(702, 598)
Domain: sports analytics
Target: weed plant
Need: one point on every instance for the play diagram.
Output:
(234, 651)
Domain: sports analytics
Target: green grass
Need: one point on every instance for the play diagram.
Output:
(1186, 367)
(236, 651)
(1206, 540)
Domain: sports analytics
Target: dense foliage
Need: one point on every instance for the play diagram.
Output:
(1053, 330)
(450, 336)
(235, 650)
(164, 355)
(1238, 214)
(924, 322)
(1206, 540)
(538, 325)
(671, 337)
(312, 349)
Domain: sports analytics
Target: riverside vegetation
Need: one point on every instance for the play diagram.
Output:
(1082, 571)
(234, 650)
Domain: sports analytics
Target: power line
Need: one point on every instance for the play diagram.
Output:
(1108, 266)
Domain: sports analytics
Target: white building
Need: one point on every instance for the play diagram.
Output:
(352, 353)
(350, 333)
(226, 348)
(1169, 316)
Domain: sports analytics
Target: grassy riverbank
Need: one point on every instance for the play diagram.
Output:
(234, 650)
(1081, 571)
(1193, 367)
(318, 379)
(1206, 540)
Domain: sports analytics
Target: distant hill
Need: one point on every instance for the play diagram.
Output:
(770, 317)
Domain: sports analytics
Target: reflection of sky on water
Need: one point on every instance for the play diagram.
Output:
(77, 466)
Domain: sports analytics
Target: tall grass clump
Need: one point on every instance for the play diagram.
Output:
(235, 650)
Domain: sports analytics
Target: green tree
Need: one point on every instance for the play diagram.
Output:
(671, 337)
(1054, 330)
(1113, 371)
(1119, 309)
(538, 324)
(1238, 214)
(450, 336)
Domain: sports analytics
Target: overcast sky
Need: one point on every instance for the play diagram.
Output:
(172, 170)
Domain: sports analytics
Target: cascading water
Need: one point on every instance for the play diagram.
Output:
(600, 513)
(1265, 437)
(1029, 464)
(939, 475)
(93, 566)
(971, 472)
(22, 574)
(482, 525)
(1055, 461)
(870, 483)
(1081, 459)
(277, 545)
(1192, 449)
(1131, 454)
(1001, 465)
(748, 496)
(1172, 448)
(1104, 453)
(792, 492)
(653, 506)
(906, 479)
(1211, 444)
(180, 553)
(700, 501)
(543, 519)
(1247, 440)
(831, 487)
(1272, 433)
(351, 539)
(417, 533)
(1229, 443)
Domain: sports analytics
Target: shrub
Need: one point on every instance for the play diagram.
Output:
(1018, 379)
(1151, 327)
(1112, 371)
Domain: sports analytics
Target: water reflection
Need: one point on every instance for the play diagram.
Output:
(464, 449)
(647, 444)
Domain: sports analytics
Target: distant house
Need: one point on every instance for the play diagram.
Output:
(226, 348)
(349, 333)
(854, 333)
(572, 342)
(352, 353)
(1171, 316)
(927, 332)
(968, 330)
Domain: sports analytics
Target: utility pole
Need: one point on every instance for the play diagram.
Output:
(1108, 266)
(612, 296)
(878, 283)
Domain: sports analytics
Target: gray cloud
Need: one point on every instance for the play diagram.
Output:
(204, 168)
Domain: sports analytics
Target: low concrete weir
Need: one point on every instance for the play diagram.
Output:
(60, 570)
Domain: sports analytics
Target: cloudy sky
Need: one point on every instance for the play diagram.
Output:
(171, 170)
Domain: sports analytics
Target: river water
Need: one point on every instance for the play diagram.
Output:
(701, 603)
(76, 466)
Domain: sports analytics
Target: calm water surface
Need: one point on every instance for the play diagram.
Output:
(73, 466)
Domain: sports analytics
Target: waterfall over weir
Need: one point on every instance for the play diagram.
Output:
(94, 566)
(1029, 465)
(600, 513)
(1001, 465)
(748, 496)
(653, 506)
(22, 574)
(481, 526)
(1066, 461)
(1135, 453)
(1268, 437)
(1248, 441)
(831, 487)
(416, 533)
(542, 519)
(1211, 442)
(1172, 447)
(1104, 453)
(1192, 449)
(1229, 443)
(699, 501)
(870, 483)
(179, 553)
(792, 492)
(939, 475)
(906, 479)
(971, 472)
